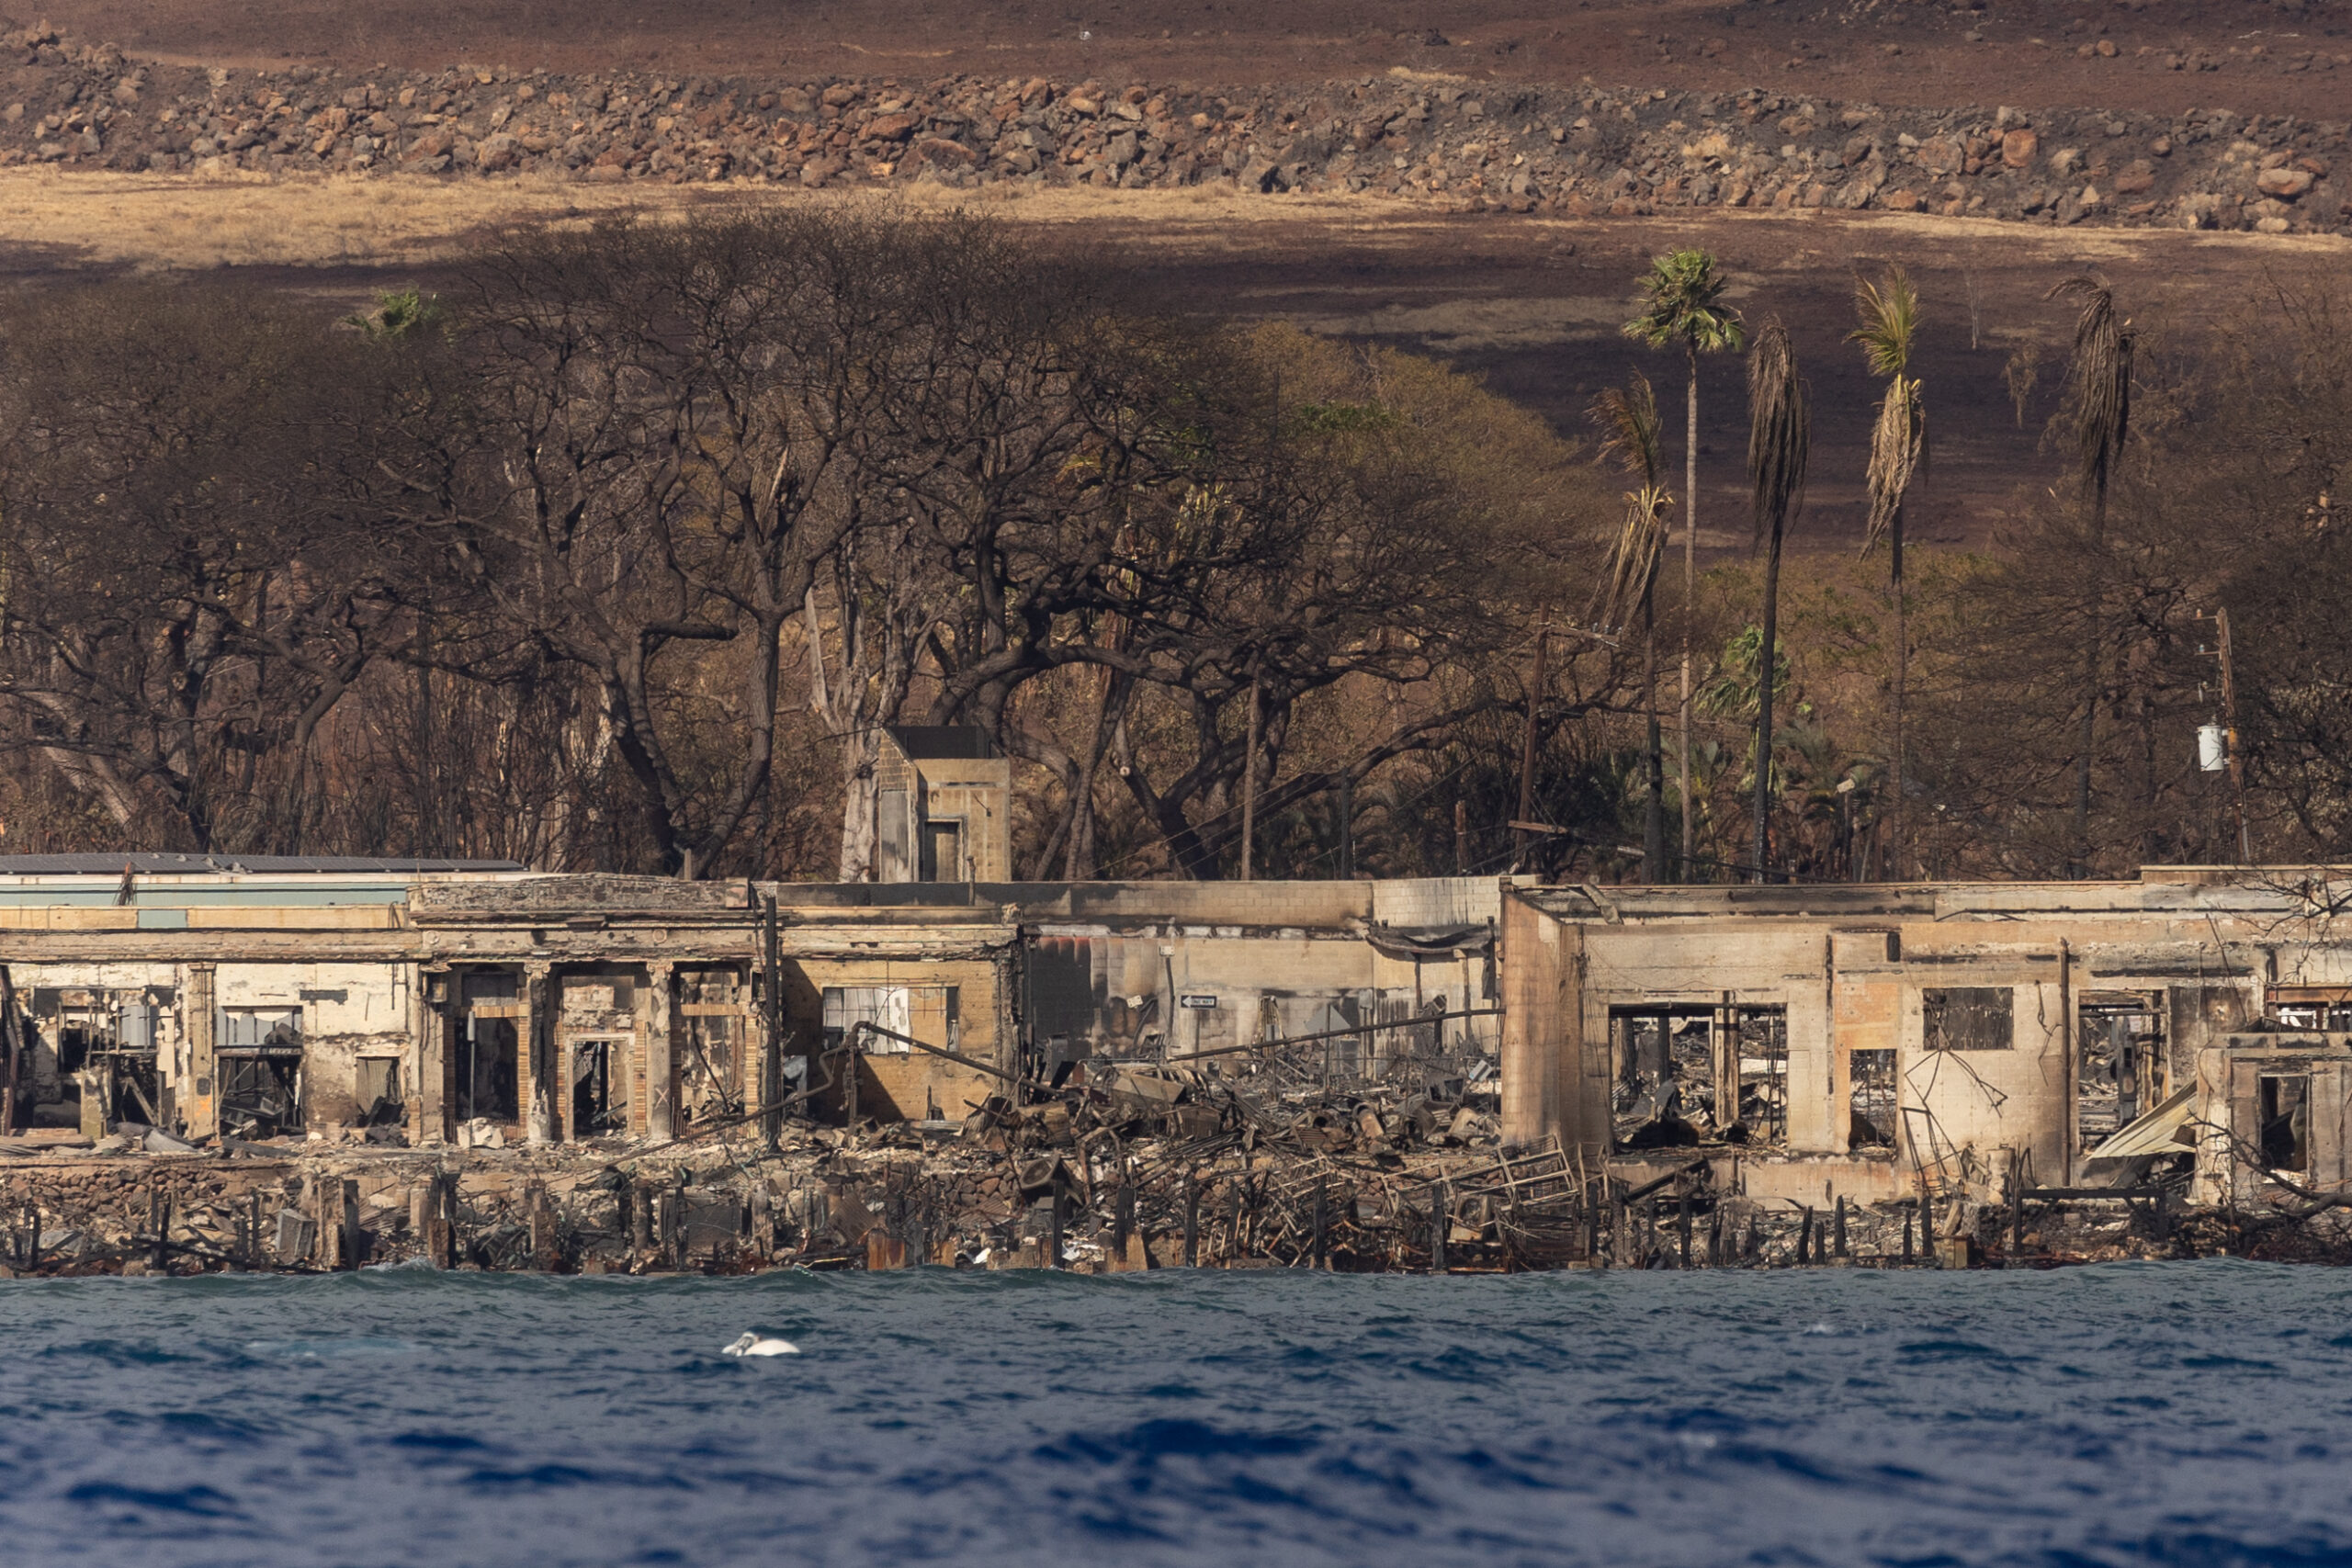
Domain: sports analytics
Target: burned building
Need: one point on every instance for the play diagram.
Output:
(484, 1005)
(1869, 1042)
(1809, 1043)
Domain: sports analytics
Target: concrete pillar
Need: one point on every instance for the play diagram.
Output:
(661, 1051)
(200, 1106)
(536, 1065)
(428, 1055)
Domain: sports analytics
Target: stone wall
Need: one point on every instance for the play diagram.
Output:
(1569, 150)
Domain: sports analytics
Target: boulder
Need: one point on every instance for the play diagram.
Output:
(2286, 183)
(2018, 147)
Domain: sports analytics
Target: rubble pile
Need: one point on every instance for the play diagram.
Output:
(1576, 150)
(1123, 1167)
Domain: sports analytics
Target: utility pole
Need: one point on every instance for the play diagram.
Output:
(771, 1050)
(1347, 827)
(1461, 839)
(1520, 836)
(1249, 777)
(2230, 734)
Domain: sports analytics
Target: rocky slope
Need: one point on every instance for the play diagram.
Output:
(1576, 151)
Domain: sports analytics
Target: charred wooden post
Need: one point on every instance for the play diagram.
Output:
(159, 1224)
(1192, 1222)
(1838, 1244)
(771, 1041)
(1320, 1203)
(1907, 1216)
(1440, 1222)
(452, 1244)
(541, 1224)
(673, 1224)
(1682, 1226)
(351, 1243)
(1804, 1238)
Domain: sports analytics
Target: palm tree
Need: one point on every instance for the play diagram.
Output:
(2101, 372)
(1890, 321)
(1629, 425)
(1779, 439)
(1682, 303)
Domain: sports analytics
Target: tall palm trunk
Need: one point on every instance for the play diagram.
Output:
(1780, 443)
(1902, 683)
(1689, 610)
(2081, 866)
(1653, 761)
(1762, 858)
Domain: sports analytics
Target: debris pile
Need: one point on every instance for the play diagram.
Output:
(1576, 150)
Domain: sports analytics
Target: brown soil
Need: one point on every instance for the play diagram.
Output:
(1531, 304)
(2270, 56)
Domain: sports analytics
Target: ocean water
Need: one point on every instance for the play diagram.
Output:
(2177, 1414)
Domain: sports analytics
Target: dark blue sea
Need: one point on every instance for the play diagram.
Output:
(2178, 1414)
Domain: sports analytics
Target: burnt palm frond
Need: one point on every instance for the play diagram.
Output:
(1633, 560)
(1629, 427)
(1779, 431)
(1898, 454)
(1629, 424)
(1887, 315)
(2101, 374)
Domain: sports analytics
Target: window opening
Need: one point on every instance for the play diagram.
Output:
(1760, 1038)
(887, 1007)
(260, 1051)
(1695, 1072)
(1664, 1090)
(1967, 1018)
(1872, 1121)
(378, 1084)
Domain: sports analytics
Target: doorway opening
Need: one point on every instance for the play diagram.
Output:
(2119, 1068)
(942, 851)
(599, 1104)
(487, 1077)
(2284, 1112)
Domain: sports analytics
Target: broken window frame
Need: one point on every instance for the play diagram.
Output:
(1874, 1097)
